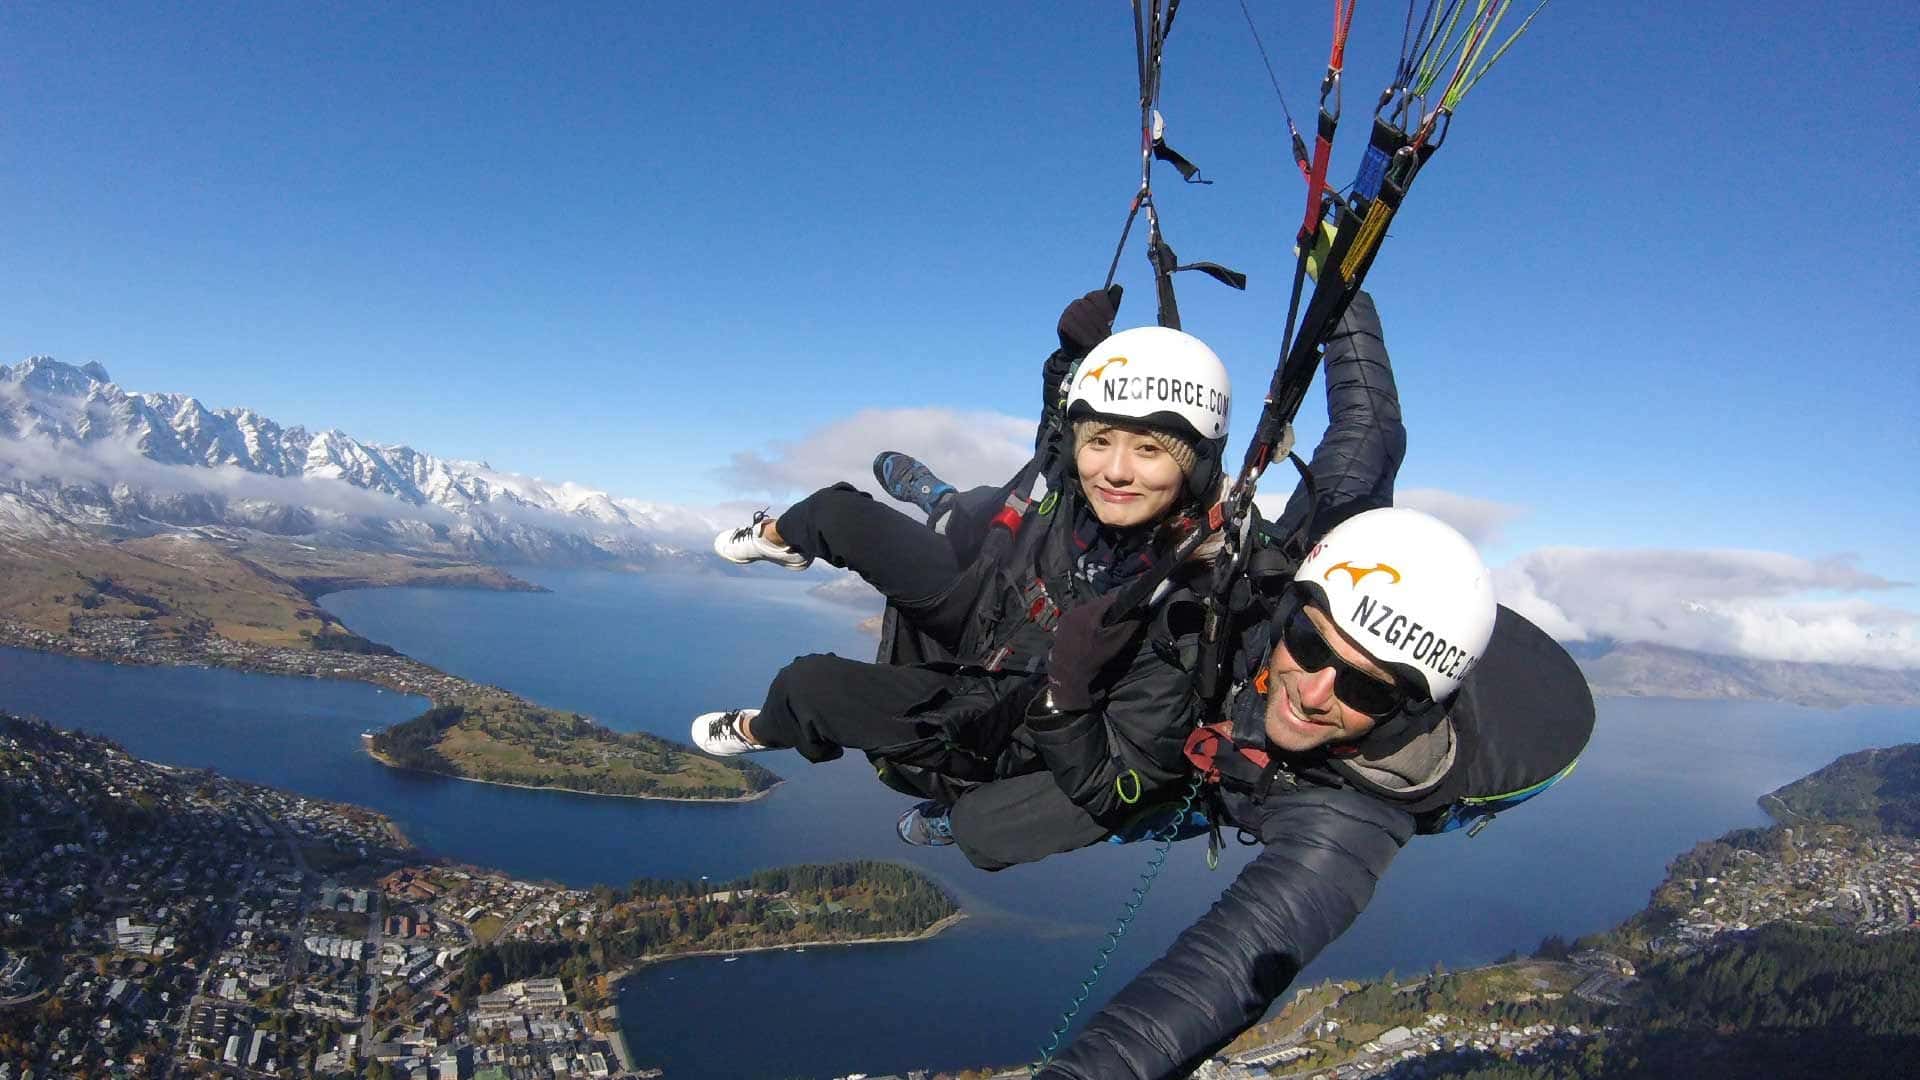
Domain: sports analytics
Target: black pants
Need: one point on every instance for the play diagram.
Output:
(897, 555)
(1020, 819)
(821, 704)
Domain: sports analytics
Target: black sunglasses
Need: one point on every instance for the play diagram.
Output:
(1359, 691)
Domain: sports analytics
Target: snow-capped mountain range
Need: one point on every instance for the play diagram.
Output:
(80, 457)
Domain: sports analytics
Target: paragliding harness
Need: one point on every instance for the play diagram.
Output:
(992, 629)
(941, 628)
(989, 615)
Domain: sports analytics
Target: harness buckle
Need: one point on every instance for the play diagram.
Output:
(1041, 610)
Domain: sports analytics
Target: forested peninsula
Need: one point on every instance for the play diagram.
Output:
(814, 904)
(497, 738)
(1875, 791)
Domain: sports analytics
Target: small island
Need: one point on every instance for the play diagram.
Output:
(497, 738)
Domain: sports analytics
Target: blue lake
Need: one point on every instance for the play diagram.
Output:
(648, 652)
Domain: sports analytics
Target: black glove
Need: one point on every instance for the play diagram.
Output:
(1088, 321)
(1089, 655)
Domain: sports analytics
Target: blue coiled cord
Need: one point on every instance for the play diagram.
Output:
(1134, 902)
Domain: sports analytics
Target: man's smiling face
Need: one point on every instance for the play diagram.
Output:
(1303, 709)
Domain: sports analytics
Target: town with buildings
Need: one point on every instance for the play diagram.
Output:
(1826, 875)
(157, 921)
(161, 921)
(122, 640)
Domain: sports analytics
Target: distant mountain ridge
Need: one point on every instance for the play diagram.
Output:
(1644, 669)
(89, 458)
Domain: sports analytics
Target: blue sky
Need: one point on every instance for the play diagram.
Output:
(1657, 291)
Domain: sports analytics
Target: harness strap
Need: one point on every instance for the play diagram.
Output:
(1151, 23)
(1013, 511)
(1329, 117)
(1219, 759)
(1033, 604)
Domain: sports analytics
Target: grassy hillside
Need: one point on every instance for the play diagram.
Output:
(1873, 790)
(253, 591)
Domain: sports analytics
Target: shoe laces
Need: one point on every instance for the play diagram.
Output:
(725, 726)
(751, 528)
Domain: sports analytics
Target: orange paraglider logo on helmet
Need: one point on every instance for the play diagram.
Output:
(1356, 573)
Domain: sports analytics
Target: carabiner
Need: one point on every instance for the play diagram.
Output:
(1331, 84)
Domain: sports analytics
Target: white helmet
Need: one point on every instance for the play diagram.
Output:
(1158, 376)
(1409, 590)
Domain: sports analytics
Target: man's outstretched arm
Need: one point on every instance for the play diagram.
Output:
(1325, 852)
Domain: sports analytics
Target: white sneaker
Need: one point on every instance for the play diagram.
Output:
(718, 733)
(745, 544)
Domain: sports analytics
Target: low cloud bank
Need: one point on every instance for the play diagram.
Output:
(1482, 521)
(1757, 604)
(1760, 605)
(965, 448)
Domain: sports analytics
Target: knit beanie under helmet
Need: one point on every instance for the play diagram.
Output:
(1183, 452)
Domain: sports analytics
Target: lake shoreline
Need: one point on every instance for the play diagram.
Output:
(387, 672)
(940, 926)
(367, 748)
(618, 1037)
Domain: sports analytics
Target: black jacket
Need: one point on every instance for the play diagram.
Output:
(1111, 760)
(1326, 848)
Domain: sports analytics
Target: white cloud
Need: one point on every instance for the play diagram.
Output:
(1756, 604)
(965, 448)
(1480, 520)
(687, 526)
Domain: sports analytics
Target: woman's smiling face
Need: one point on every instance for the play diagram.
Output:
(1127, 476)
